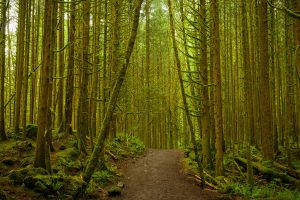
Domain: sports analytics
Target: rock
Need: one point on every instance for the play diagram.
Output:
(31, 131)
(114, 191)
(18, 176)
(53, 184)
(121, 185)
(3, 195)
(8, 161)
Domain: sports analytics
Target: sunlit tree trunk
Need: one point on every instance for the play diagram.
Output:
(61, 67)
(26, 67)
(20, 62)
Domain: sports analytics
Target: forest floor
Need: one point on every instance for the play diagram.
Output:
(159, 176)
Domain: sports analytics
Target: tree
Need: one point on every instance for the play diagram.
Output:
(2, 68)
(185, 104)
(70, 72)
(42, 155)
(99, 147)
(265, 101)
(20, 62)
(216, 67)
(83, 104)
(248, 123)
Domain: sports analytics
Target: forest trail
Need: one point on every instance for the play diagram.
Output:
(158, 176)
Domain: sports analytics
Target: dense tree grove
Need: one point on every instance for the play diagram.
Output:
(217, 75)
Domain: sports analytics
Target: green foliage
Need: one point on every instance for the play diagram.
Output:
(268, 191)
(102, 177)
(124, 146)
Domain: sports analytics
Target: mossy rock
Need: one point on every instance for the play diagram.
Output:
(31, 131)
(18, 176)
(69, 153)
(114, 191)
(49, 184)
(72, 185)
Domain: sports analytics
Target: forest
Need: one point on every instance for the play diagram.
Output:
(150, 99)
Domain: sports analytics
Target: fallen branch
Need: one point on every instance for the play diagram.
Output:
(197, 178)
(111, 155)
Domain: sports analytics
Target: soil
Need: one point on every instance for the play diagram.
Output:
(158, 176)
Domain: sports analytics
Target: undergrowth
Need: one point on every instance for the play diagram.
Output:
(234, 181)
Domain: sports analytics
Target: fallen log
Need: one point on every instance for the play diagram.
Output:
(288, 170)
(269, 173)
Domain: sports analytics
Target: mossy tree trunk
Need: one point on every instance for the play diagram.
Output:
(42, 155)
(97, 153)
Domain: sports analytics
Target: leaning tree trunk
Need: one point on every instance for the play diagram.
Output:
(99, 147)
(185, 104)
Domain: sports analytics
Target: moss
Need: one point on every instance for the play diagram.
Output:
(69, 153)
(18, 176)
(47, 184)
(114, 191)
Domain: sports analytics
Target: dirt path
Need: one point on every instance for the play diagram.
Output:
(157, 176)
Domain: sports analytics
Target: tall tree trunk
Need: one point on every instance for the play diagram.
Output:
(42, 155)
(2, 68)
(20, 62)
(248, 126)
(61, 67)
(216, 67)
(70, 72)
(26, 66)
(204, 90)
(83, 103)
(265, 99)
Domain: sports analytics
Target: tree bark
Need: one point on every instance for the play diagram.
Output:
(70, 72)
(99, 147)
(42, 155)
(265, 99)
(2, 68)
(216, 67)
(20, 62)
